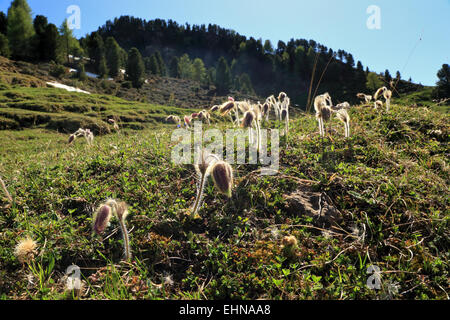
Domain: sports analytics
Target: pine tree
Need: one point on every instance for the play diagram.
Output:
(210, 76)
(135, 68)
(373, 82)
(199, 70)
(186, 68)
(223, 76)
(49, 42)
(112, 55)
(161, 64)
(123, 58)
(4, 46)
(350, 60)
(387, 76)
(301, 64)
(103, 68)
(96, 49)
(153, 65)
(268, 48)
(245, 84)
(3, 23)
(360, 78)
(68, 45)
(20, 29)
(40, 24)
(174, 68)
(81, 74)
(443, 85)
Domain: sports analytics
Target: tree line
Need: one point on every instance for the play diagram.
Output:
(209, 54)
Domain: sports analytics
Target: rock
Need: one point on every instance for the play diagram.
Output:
(318, 205)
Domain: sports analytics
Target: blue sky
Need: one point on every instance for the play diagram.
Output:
(338, 24)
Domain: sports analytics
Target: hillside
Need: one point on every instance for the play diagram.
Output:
(383, 194)
(182, 93)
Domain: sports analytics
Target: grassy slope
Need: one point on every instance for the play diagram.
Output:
(63, 111)
(389, 182)
(422, 98)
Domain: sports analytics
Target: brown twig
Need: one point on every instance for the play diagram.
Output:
(323, 73)
(308, 103)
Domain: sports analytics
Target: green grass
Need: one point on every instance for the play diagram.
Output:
(423, 98)
(62, 111)
(389, 183)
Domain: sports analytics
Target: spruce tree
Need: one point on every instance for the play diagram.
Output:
(443, 85)
(49, 43)
(373, 82)
(153, 66)
(81, 74)
(186, 69)
(96, 49)
(113, 57)
(387, 76)
(245, 84)
(68, 45)
(103, 68)
(4, 46)
(174, 68)
(161, 64)
(40, 24)
(3, 23)
(223, 76)
(199, 70)
(135, 68)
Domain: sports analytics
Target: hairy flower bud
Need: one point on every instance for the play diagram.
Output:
(222, 175)
(101, 219)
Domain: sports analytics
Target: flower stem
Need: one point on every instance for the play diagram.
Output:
(126, 240)
(199, 194)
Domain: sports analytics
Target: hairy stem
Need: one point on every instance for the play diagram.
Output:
(126, 240)
(199, 194)
(8, 195)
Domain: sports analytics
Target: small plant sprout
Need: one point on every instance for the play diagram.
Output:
(187, 122)
(203, 169)
(322, 105)
(222, 175)
(344, 105)
(379, 91)
(344, 117)
(387, 95)
(248, 122)
(266, 111)
(273, 103)
(365, 97)
(195, 115)
(285, 112)
(378, 104)
(289, 245)
(86, 133)
(102, 217)
(174, 119)
(5, 190)
(25, 250)
(204, 115)
(114, 124)
(226, 108)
